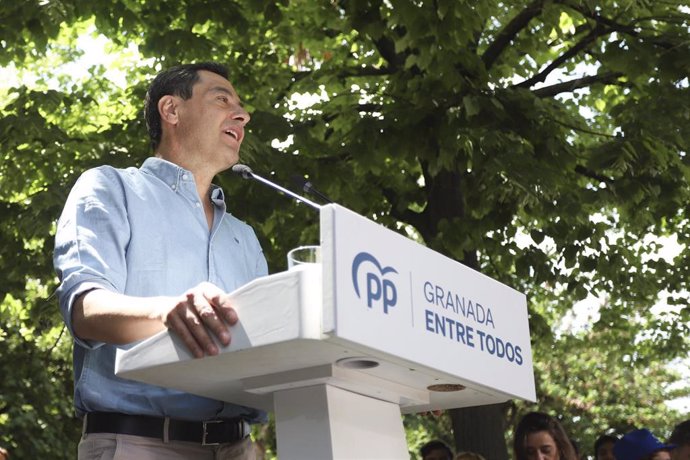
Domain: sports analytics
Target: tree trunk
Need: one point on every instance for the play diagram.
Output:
(481, 430)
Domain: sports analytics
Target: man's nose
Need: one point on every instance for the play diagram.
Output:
(240, 115)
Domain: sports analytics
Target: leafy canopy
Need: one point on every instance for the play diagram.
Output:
(543, 143)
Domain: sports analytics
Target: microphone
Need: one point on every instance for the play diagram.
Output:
(308, 187)
(247, 173)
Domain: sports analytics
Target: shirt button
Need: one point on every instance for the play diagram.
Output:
(184, 177)
(198, 205)
(174, 187)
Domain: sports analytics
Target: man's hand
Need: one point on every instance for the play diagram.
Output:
(104, 316)
(203, 309)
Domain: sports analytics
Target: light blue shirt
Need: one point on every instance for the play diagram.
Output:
(143, 232)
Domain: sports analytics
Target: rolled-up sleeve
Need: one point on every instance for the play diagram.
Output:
(91, 241)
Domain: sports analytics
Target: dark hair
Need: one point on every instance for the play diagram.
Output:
(601, 440)
(435, 445)
(177, 81)
(681, 434)
(535, 422)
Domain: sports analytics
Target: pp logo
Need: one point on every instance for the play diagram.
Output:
(378, 288)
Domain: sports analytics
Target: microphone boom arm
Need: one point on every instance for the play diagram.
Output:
(246, 172)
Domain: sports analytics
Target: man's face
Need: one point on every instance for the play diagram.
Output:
(212, 122)
(605, 451)
(661, 455)
(437, 454)
(681, 452)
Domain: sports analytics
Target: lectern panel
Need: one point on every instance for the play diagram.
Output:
(398, 297)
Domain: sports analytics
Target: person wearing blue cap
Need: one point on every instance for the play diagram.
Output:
(641, 445)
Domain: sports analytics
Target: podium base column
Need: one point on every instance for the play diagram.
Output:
(325, 422)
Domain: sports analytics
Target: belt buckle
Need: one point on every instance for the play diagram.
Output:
(203, 437)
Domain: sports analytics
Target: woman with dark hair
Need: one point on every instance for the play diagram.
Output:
(538, 436)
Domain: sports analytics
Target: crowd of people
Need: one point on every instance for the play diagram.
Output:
(539, 436)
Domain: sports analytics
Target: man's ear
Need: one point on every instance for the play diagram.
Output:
(168, 109)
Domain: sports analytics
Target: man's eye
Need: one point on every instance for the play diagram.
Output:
(223, 98)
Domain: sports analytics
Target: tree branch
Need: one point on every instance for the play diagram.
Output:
(386, 48)
(57, 341)
(408, 216)
(367, 71)
(363, 16)
(343, 73)
(616, 26)
(583, 130)
(592, 175)
(572, 85)
(508, 33)
(583, 44)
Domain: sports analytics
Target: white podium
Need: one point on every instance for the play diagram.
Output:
(337, 350)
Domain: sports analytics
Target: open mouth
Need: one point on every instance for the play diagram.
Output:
(232, 133)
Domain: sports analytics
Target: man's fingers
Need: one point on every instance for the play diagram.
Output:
(178, 325)
(210, 318)
(222, 305)
(228, 314)
(200, 316)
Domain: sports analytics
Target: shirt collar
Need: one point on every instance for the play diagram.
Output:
(172, 174)
(168, 172)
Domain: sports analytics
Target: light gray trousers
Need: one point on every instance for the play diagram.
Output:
(108, 446)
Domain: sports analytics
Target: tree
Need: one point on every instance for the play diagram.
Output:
(539, 142)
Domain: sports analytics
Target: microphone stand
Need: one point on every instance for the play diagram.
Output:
(247, 173)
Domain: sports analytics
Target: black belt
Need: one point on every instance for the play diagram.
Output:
(208, 433)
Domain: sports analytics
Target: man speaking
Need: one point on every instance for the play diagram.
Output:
(139, 250)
